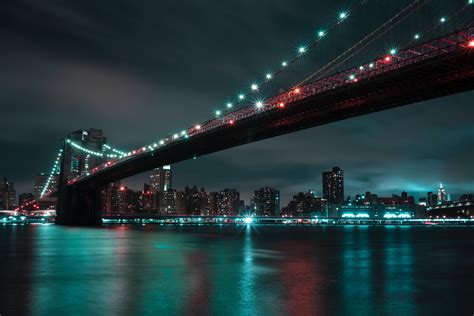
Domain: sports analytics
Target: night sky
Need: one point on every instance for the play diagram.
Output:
(141, 70)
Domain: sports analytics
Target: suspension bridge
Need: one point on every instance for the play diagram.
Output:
(430, 65)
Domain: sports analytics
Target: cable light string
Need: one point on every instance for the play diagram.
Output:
(119, 154)
(356, 48)
(54, 171)
(301, 51)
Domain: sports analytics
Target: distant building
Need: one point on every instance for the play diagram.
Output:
(442, 195)
(168, 202)
(266, 202)
(333, 185)
(229, 202)
(7, 195)
(305, 204)
(25, 198)
(371, 206)
(161, 179)
(194, 201)
(111, 197)
(78, 162)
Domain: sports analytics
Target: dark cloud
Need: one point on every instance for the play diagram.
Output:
(143, 69)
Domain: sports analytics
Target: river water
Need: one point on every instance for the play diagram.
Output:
(236, 270)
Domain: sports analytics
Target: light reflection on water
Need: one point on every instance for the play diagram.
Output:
(223, 270)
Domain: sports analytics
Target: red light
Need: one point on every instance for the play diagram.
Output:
(231, 122)
(134, 152)
(471, 43)
(122, 188)
(355, 80)
(388, 59)
(281, 104)
(297, 90)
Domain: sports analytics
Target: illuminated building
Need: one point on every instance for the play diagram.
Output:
(266, 202)
(442, 196)
(7, 195)
(161, 179)
(111, 197)
(333, 185)
(305, 204)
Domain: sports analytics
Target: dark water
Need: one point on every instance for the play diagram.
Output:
(173, 270)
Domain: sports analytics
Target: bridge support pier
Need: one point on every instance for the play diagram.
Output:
(79, 206)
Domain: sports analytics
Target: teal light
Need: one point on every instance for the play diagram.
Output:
(302, 50)
(241, 96)
(321, 33)
(343, 15)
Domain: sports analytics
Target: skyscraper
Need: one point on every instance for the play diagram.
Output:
(7, 195)
(161, 179)
(442, 195)
(333, 185)
(266, 202)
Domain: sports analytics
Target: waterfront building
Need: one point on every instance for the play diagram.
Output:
(7, 195)
(306, 204)
(161, 179)
(266, 202)
(111, 197)
(333, 185)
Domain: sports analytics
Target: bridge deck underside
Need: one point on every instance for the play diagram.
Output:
(440, 76)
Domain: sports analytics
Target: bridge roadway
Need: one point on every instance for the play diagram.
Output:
(433, 69)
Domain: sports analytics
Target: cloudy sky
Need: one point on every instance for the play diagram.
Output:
(140, 70)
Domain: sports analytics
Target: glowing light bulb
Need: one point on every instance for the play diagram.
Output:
(471, 43)
(352, 77)
(241, 96)
(259, 104)
(388, 59)
(229, 105)
(183, 133)
(297, 90)
(302, 50)
(393, 51)
(218, 112)
(162, 142)
(268, 76)
(417, 36)
(248, 220)
(254, 86)
(343, 15)
(284, 64)
(361, 68)
(442, 20)
(371, 65)
(281, 104)
(321, 33)
(175, 136)
(231, 122)
(198, 127)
